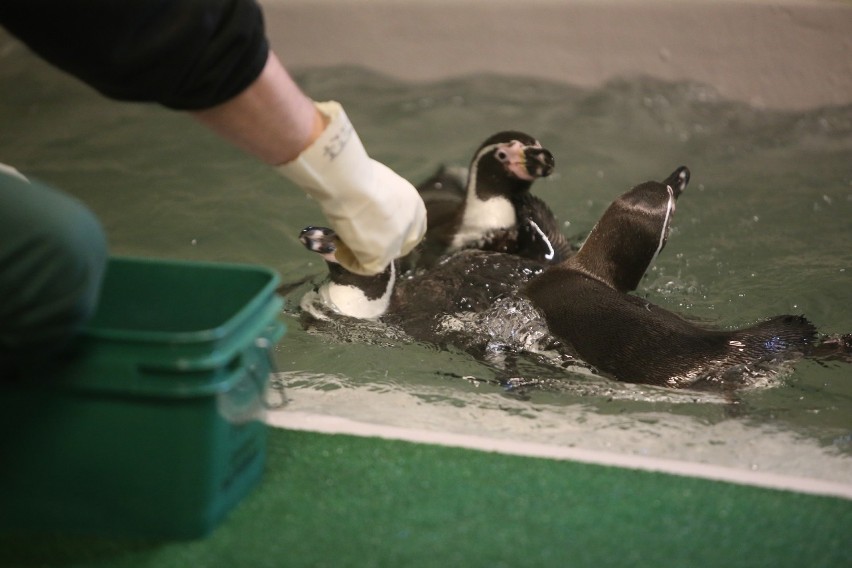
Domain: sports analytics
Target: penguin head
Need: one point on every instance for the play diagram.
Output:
(632, 232)
(320, 240)
(507, 163)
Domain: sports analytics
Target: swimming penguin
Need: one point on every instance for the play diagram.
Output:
(467, 300)
(585, 303)
(469, 280)
(486, 215)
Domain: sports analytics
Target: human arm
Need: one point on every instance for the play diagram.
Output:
(377, 213)
(212, 59)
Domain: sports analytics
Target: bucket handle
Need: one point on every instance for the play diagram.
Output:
(273, 398)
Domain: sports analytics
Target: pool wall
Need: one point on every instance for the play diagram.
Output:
(779, 54)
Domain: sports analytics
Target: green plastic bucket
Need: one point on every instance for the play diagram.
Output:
(154, 427)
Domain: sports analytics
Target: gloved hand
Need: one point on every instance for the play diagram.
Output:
(9, 170)
(378, 215)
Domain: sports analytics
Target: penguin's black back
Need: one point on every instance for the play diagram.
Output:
(630, 339)
(470, 280)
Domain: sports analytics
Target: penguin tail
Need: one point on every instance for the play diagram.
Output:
(778, 336)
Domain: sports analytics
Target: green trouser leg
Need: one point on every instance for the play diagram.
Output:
(52, 258)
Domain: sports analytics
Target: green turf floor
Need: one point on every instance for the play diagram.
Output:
(331, 500)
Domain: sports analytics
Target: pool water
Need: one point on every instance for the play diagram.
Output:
(764, 228)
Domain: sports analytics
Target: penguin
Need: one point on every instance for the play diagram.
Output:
(492, 210)
(586, 304)
(466, 300)
(469, 280)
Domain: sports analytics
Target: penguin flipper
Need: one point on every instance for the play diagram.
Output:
(539, 235)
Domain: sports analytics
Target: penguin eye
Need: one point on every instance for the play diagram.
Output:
(501, 155)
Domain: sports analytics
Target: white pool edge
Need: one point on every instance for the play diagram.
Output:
(325, 424)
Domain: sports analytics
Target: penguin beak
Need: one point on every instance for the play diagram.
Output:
(539, 162)
(525, 162)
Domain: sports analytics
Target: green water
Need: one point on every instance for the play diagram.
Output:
(765, 226)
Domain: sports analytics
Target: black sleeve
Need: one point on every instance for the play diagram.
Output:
(184, 54)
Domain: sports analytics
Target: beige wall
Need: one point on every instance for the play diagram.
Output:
(789, 54)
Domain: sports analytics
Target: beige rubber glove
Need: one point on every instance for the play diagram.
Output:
(9, 170)
(378, 215)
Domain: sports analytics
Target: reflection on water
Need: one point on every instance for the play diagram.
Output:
(764, 228)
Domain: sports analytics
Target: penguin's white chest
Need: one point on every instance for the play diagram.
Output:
(348, 300)
(482, 217)
(352, 301)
